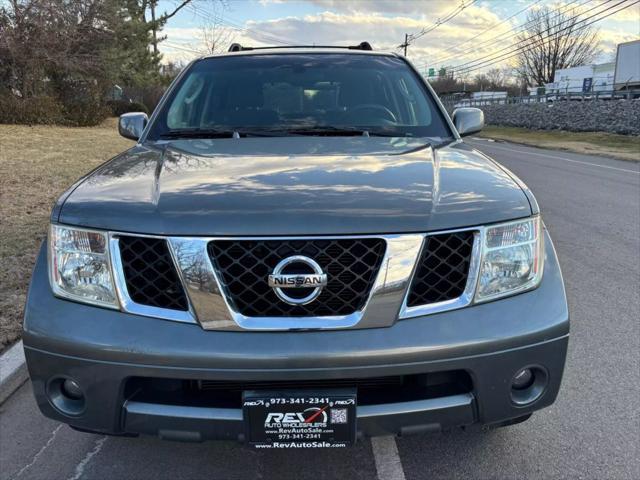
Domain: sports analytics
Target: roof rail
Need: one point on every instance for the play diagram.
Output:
(236, 47)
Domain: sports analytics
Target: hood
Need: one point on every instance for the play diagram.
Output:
(294, 186)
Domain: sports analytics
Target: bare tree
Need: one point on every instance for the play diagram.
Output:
(496, 77)
(445, 84)
(215, 35)
(553, 41)
(481, 82)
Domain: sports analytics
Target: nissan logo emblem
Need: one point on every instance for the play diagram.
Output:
(281, 281)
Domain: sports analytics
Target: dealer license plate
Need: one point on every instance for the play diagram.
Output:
(300, 418)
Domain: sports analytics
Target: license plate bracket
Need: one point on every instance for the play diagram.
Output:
(323, 418)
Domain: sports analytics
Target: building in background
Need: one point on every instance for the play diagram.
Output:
(583, 79)
(627, 71)
(604, 81)
(623, 74)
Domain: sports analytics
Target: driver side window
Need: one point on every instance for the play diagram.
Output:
(187, 104)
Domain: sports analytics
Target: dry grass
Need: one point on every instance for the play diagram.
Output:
(36, 165)
(625, 147)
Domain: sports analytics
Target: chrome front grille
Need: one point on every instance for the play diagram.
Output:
(150, 274)
(443, 268)
(223, 283)
(351, 266)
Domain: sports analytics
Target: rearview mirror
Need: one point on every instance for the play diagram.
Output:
(468, 120)
(131, 125)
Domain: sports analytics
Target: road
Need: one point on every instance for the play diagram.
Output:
(591, 206)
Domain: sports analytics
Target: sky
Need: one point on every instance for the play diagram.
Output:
(479, 36)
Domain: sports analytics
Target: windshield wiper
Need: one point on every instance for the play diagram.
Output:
(311, 130)
(321, 130)
(199, 133)
(219, 133)
(330, 130)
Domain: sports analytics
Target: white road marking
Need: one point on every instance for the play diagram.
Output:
(40, 452)
(565, 159)
(385, 454)
(83, 463)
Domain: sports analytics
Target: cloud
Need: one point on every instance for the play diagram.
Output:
(385, 32)
(628, 15)
(467, 37)
(186, 43)
(352, 27)
(427, 8)
(609, 40)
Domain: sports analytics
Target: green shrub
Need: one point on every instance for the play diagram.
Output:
(118, 107)
(85, 113)
(30, 111)
(50, 111)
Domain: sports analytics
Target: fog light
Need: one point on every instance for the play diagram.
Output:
(523, 379)
(528, 384)
(66, 396)
(72, 390)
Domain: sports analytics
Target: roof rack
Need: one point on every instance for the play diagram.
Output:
(236, 47)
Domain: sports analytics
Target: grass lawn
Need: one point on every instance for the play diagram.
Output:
(36, 165)
(626, 147)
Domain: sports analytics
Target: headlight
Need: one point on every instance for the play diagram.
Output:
(79, 266)
(512, 259)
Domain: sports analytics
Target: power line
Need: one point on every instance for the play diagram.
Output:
(256, 33)
(184, 48)
(527, 42)
(259, 35)
(409, 38)
(492, 27)
(455, 12)
(517, 51)
(204, 15)
(500, 38)
(569, 19)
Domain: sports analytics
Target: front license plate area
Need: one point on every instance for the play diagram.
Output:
(300, 418)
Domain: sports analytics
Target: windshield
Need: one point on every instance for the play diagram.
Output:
(319, 93)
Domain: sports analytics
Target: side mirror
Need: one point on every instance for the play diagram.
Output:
(468, 120)
(131, 125)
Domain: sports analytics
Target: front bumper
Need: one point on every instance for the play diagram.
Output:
(102, 349)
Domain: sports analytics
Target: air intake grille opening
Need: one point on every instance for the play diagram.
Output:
(228, 394)
(350, 264)
(443, 269)
(150, 275)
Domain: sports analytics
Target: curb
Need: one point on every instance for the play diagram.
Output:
(559, 148)
(13, 371)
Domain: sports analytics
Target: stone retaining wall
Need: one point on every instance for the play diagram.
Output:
(613, 116)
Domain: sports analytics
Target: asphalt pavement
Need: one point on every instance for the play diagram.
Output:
(591, 206)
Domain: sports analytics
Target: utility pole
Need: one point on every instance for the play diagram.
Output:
(157, 22)
(405, 44)
(154, 27)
